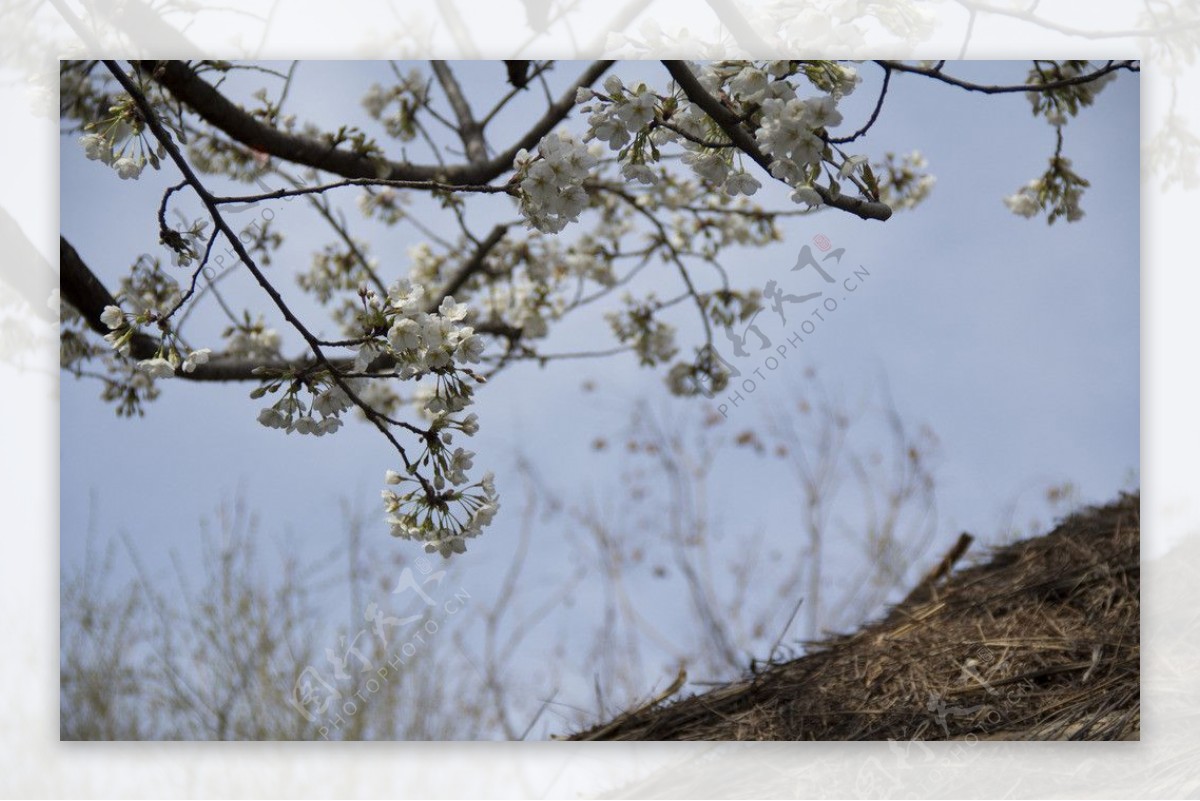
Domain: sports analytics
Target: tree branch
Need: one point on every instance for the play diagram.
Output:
(204, 99)
(80, 287)
(84, 291)
(732, 126)
(883, 90)
(380, 421)
(937, 74)
(470, 266)
(469, 130)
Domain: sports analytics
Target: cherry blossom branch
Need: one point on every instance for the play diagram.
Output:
(1112, 66)
(87, 294)
(730, 123)
(204, 99)
(81, 288)
(214, 211)
(84, 291)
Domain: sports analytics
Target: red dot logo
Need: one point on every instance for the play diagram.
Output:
(822, 242)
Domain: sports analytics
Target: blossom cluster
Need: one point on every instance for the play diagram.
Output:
(122, 328)
(1059, 105)
(788, 133)
(705, 375)
(185, 244)
(406, 333)
(384, 203)
(551, 182)
(426, 265)
(1025, 201)
(625, 112)
(1058, 192)
(149, 292)
(652, 339)
(524, 304)
(637, 123)
(418, 343)
(334, 269)
(445, 522)
(423, 342)
(119, 140)
(529, 282)
(445, 512)
(903, 181)
(252, 340)
(290, 413)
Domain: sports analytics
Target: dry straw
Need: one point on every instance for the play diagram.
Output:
(1040, 642)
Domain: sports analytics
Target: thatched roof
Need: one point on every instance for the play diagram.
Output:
(1040, 642)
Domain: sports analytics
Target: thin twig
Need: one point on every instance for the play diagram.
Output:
(987, 89)
(778, 640)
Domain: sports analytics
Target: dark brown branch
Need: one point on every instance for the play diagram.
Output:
(883, 90)
(469, 130)
(732, 126)
(1112, 66)
(80, 287)
(926, 589)
(204, 99)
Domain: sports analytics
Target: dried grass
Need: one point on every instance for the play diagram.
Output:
(1040, 642)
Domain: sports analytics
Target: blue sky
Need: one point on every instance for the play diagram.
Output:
(1017, 342)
